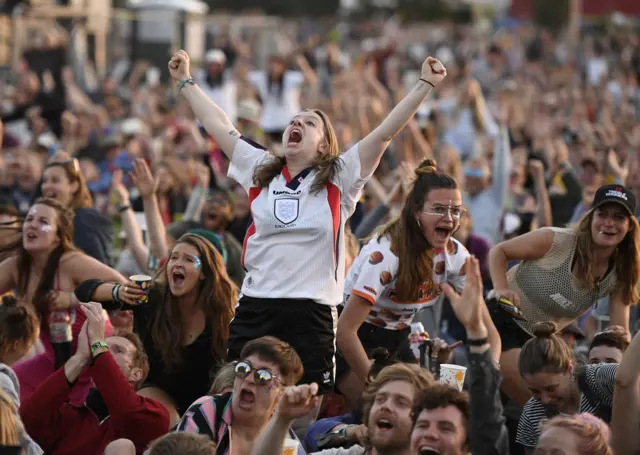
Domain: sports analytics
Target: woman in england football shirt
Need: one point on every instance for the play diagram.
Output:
(294, 251)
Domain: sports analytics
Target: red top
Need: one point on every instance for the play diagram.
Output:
(62, 429)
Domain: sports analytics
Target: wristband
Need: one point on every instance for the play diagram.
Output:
(430, 83)
(190, 81)
(97, 345)
(477, 343)
(114, 293)
(124, 208)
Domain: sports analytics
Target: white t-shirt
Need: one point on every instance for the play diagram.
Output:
(373, 277)
(294, 248)
(225, 95)
(277, 111)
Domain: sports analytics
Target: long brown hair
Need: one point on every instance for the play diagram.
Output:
(64, 224)
(216, 297)
(327, 165)
(415, 254)
(82, 198)
(626, 260)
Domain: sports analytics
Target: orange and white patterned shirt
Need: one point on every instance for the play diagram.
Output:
(373, 277)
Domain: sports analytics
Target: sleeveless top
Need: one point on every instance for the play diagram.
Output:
(547, 288)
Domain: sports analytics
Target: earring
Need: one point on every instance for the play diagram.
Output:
(418, 221)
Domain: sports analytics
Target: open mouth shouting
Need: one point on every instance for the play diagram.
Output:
(442, 234)
(384, 425)
(178, 277)
(295, 137)
(247, 398)
(31, 235)
(428, 450)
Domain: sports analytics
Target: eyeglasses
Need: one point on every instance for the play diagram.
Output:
(262, 376)
(443, 210)
(474, 173)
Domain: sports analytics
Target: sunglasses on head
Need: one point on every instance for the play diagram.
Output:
(262, 376)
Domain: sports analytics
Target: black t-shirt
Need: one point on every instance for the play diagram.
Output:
(186, 382)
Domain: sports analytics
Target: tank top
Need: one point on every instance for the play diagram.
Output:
(547, 288)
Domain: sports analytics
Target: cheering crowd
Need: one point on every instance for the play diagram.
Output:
(346, 252)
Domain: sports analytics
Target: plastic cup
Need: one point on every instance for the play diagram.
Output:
(290, 447)
(452, 375)
(144, 281)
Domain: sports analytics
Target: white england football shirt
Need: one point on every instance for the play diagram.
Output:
(294, 249)
(373, 277)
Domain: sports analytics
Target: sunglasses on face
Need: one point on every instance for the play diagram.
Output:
(262, 376)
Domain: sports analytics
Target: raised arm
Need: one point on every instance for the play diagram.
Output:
(626, 402)
(213, 118)
(373, 146)
(135, 240)
(147, 184)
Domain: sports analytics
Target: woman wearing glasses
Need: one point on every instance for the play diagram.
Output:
(399, 272)
(237, 418)
(93, 232)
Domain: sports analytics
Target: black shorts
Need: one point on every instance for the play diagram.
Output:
(511, 334)
(372, 337)
(307, 326)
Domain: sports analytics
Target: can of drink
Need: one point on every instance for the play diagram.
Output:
(417, 336)
(60, 327)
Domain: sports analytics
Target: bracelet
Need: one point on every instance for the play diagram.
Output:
(424, 80)
(114, 293)
(97, 345)
(124, 208)
(477, 343)
(190, 81)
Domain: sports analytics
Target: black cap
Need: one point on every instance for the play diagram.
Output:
(574, 330)
(615, 193)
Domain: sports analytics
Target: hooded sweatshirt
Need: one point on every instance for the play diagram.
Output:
(10, 386)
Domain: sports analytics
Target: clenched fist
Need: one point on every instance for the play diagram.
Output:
(179, 66)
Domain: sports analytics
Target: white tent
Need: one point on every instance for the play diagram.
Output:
(188, 6)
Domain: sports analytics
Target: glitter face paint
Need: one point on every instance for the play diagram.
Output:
(46, 228)
(197, 262)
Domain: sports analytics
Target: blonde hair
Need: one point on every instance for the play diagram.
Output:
(627, 259)
(592, 433)
(10, 426)
(224, 379)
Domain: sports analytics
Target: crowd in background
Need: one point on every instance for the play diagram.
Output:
(500, 202)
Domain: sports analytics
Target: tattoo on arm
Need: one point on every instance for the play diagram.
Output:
(234, 133)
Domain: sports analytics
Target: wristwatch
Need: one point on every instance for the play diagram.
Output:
(336, 438)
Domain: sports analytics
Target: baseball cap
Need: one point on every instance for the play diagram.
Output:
(615, 193)
(574, 330)
(215, 56)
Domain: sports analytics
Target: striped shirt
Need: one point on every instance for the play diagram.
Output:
(599, 378)
(212, 416)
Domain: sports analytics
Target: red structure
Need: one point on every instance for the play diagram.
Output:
(523, 9)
